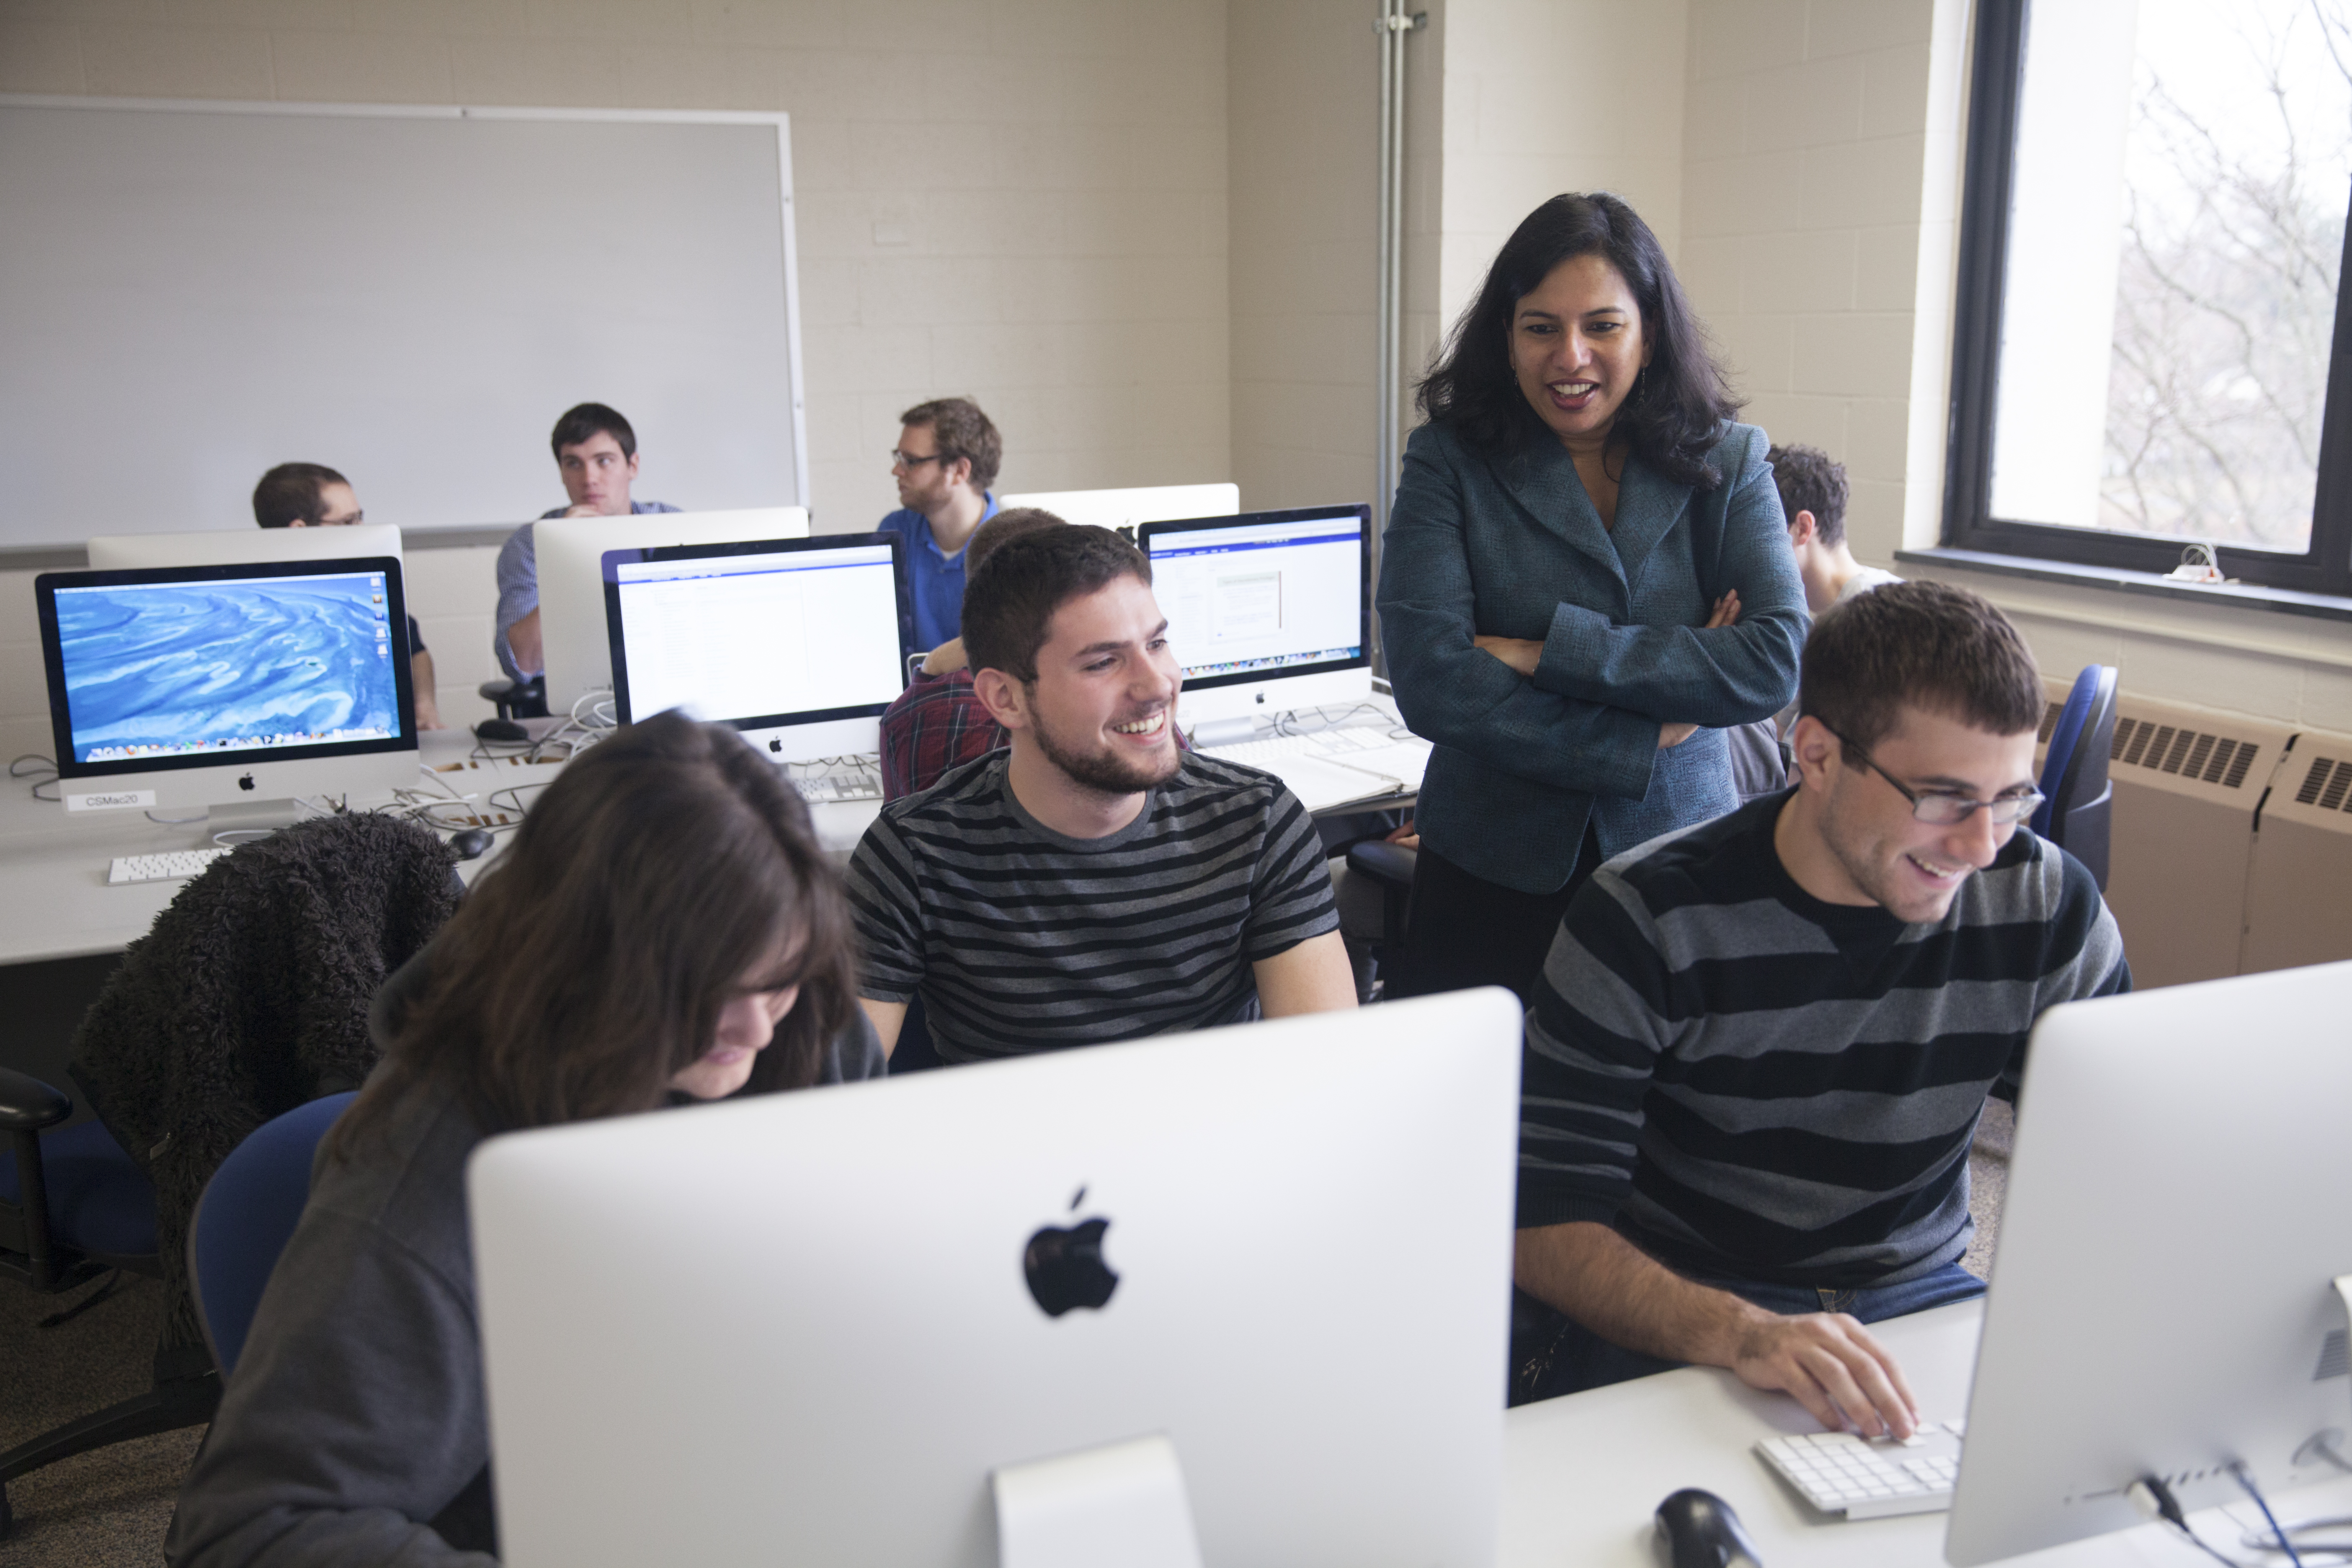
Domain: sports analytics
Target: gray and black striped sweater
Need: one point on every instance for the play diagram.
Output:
(1752, 1084)
(1021, 938)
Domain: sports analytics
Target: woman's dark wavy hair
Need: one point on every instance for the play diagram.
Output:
(1683, 404)
(591, 961)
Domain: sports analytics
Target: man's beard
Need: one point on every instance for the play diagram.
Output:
(1107, 772)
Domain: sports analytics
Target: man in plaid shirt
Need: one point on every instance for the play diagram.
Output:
(938, 722)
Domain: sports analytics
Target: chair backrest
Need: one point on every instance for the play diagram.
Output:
(249, 996)
(2073, 813)
(244, 1218)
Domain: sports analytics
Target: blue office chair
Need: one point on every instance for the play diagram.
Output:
(244, 1218)
(2077, 800)
(73, 1206)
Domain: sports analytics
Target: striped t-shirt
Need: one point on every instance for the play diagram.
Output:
(1021, 938)
(1752, 1084)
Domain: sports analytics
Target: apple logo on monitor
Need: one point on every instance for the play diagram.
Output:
(775, 744)
(1065, 1266)
(246, 782)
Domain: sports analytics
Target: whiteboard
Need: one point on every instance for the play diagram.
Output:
(193, 292)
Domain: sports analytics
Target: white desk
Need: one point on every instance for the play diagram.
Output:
(1582, 1476)
(54, 902)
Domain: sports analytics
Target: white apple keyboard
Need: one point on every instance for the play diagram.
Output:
(168, 867)
(1870, 1477)
(818, 789)
(1363, 748)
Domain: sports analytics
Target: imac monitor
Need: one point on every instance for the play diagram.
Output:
(570, 553)
(836, 1317)
(229, 546)
(1128, 509)
(208, 685)
(2163, 1303)
(799, 643)
(1267, 610)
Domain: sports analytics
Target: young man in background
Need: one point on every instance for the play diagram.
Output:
(312, 495)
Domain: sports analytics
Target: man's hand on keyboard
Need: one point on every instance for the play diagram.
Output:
(1830, 1364)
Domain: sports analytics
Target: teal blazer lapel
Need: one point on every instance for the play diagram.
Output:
(1541, 477)
(1648, 506)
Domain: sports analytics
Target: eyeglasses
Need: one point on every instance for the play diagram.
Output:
(1947, 810)
(908, 460)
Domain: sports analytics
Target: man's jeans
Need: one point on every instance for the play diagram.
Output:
(1564, 1357)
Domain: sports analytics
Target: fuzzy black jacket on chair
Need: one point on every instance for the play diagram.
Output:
(247, 997)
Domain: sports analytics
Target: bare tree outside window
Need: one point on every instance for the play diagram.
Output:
(2238, 170)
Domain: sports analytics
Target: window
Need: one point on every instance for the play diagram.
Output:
(2152, 348)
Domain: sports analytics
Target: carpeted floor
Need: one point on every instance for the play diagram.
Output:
(1988, 1180)
(103, 1510)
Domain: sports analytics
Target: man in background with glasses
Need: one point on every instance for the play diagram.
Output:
(1759, 1046)
(946, 456)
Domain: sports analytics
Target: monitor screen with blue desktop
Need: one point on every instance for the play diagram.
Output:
(1267, 611)
(799, 643)
(200, 685)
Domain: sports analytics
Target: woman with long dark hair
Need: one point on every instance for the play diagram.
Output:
(1585, 578)
(664, 929)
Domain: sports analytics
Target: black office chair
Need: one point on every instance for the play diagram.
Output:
(2078, 802)
(517, 699)
(1391, 866)
(249, 997)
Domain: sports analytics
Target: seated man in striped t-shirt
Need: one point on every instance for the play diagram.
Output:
(1094, 882)
(1759, 1046)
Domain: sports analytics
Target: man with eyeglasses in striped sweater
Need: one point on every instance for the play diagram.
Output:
(1759, 1046)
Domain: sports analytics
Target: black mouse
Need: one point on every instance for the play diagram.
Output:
(500, 730)
(1698, 1530)
(472, 843)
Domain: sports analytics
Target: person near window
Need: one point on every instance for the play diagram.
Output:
(1812, 496)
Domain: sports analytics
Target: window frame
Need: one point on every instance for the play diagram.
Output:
(1997, 73)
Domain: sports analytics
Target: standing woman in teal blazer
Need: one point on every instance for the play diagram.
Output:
(1585, 579)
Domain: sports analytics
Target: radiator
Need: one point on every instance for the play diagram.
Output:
(2299, 885)
(2187, 784)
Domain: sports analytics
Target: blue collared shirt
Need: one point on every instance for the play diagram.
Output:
(934, 578)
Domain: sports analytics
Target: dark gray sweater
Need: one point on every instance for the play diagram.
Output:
(355, 1429)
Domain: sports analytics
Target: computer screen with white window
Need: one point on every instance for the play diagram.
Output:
(799, 643)
(1266, 611)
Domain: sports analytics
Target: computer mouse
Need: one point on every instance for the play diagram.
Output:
(472, 843)
(1698, 1530)
(500, 730)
